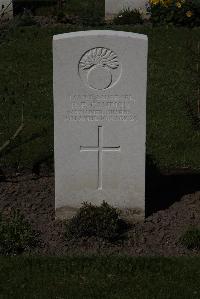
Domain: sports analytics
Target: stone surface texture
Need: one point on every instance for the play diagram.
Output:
(6, 9)
(100, 82)
(113, 7)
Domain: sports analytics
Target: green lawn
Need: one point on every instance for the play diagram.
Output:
(99, 277)
(173, 133)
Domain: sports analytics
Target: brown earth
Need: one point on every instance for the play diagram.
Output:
(157, 235)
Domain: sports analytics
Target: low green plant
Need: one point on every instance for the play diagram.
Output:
(191, 238)
(128, 16)
(95, 221)
(176, 12)
(16, 234)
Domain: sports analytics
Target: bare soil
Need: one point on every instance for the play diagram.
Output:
(157, 235)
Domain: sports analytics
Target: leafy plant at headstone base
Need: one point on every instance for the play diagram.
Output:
(176, 12)
(16, 234)
(95, 221)
(191, 238)
(128, 16)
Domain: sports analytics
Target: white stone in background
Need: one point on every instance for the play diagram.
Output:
(113, 7)
(100, 119)
(6, 8)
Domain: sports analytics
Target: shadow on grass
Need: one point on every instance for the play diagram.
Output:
(162, 190)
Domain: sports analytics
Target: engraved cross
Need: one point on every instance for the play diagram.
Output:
(100, 149)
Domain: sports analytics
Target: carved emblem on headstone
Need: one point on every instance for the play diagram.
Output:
(99, 68)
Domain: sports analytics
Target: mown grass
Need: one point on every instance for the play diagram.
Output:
(99, 277)
(26, 76)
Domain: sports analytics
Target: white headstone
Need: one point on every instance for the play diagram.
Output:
(113, 7)
(100, 119)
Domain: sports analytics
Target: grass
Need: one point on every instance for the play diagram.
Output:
(26, 76)
(99, 277)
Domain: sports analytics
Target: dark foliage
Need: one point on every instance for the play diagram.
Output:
(95, 221)
(128, 16)
(179, 13)
(16, 234)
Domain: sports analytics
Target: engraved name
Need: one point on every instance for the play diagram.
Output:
(100, 108)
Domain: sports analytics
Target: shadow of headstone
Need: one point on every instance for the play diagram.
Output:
(162, 190)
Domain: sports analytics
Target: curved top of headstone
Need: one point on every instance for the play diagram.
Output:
(100, 33)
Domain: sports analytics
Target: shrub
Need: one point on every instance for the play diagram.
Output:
(176, 12)
(128, 16)
(191, 239)
(16, 234)
(93, 221)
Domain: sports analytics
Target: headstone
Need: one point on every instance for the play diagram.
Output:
(113, 7)
(6, 9)
(100, 119)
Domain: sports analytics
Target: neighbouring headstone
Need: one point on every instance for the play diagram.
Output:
(100, 82)
(113, 7)
(6, 9)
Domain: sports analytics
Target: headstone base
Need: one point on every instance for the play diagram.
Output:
(130, 215)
